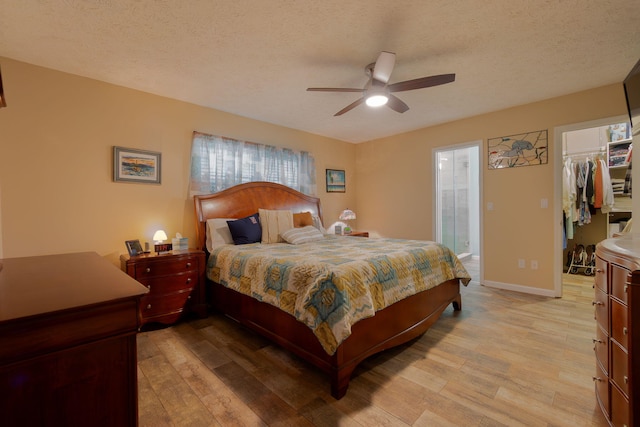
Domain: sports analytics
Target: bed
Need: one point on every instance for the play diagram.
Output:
(387, 327)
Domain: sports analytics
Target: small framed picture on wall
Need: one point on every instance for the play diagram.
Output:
(335, 181)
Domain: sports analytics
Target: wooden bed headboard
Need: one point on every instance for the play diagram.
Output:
(245, 199)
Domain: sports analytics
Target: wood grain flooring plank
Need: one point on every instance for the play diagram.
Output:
(507, 359)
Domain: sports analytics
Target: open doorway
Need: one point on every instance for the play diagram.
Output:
(577, 145)
(457, 205)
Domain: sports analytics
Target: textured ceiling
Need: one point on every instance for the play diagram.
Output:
(256, 58)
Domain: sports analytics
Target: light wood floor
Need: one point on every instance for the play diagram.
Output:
(507, 359)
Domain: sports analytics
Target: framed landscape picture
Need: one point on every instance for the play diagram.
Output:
(131, 165)
(335, 181)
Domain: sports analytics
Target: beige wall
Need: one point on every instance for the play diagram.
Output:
(395, 184)
(57, 194)
(56, 139)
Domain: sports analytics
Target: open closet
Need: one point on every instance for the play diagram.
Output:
(596, 191)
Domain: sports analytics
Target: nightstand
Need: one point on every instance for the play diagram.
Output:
(175, 282)
(358, 234)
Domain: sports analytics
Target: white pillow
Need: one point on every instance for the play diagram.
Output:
(296, 236)
(317, 223)
(274, 223)
(218, 233)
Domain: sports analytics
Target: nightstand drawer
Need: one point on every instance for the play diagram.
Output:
(166, 304)
(169, 284)
(161, 267)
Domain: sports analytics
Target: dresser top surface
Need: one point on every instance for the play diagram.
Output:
(624, 249)
(36, 285)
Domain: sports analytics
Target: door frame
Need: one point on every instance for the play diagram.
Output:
(557, 185)
(436, 205)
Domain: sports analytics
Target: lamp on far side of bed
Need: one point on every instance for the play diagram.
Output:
(159, 237)
(347, 215)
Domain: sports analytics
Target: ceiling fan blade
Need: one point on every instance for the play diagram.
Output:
(384, 66)
(350, 107)
(396, 104)
(333, 89)
(422, 82)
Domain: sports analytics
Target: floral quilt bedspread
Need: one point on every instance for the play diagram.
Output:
(331, 284)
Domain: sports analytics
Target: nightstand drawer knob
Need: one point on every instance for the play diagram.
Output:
(148, 270)
(188, 265)
(189, 297)
(189, 280)
(148, 306)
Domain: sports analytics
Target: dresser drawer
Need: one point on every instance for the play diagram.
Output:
(601, 307)
(619, 328)
(602, 389)
(156, 306)
(601, 348)
(620, 278)
(169, 284)
(620, 367)
(163, 267)
(601, 274)
(620, 409)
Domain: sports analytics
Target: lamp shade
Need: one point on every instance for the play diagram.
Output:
(346, 215)
(160, 236)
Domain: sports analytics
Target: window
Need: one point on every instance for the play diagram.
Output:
(218, 162)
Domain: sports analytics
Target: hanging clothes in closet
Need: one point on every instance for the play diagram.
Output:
(586, 186)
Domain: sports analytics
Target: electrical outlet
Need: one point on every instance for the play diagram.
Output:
(534, 264)
(521, 263)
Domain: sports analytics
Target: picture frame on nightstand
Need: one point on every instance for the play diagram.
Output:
(134, 247)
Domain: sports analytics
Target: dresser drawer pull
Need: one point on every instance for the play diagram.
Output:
(189, 280)
(596, 379)
(625, 288)
(599, 270)
(148, 306)
(188, 265)
(189, 297)
(597, 303)
(626, 379)
(625, 331)
(595, 340)
(148, 270)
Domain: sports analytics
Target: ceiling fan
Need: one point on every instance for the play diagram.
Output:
(377, 91)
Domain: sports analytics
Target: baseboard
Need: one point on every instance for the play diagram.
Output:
(520, 288)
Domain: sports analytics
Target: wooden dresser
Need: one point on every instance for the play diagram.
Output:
(68, 354)
(617, 343)
(175, 282)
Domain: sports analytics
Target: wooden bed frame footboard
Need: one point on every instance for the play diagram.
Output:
(390, 327)
(395, 325)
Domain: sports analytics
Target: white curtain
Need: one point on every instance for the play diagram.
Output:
(218, 162)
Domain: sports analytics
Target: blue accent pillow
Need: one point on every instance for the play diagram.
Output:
(246, 230)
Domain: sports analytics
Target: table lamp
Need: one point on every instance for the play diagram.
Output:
(159, 237)
(346, 216)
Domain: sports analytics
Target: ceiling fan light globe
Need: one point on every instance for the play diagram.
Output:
(377, 100)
